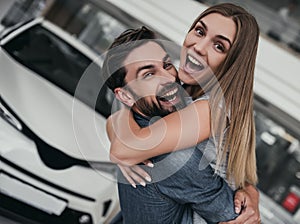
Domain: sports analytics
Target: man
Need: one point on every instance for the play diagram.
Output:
(142, 77)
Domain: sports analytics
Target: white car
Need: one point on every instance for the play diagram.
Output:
(54, 160)
(54, 164)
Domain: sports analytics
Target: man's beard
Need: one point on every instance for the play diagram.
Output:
(152, 109)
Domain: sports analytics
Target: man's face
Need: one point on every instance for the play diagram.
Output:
(152, 80)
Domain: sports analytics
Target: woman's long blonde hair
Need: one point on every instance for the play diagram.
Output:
(235, 78)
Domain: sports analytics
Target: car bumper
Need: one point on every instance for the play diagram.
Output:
(37, 199)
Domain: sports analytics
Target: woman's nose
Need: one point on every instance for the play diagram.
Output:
(201, 47)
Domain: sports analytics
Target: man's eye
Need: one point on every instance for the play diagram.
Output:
(220, 47)
(168, 65)
(148, 75)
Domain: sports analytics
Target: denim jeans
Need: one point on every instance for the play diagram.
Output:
(178, 187)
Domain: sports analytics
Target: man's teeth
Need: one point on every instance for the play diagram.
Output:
(172, 99)
(172, 92)
(194, 61)
(170, 96)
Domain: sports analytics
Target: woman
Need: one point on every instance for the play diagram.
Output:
(217, 69)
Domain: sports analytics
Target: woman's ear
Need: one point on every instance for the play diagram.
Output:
(124, 96)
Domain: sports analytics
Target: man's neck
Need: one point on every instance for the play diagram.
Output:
(141, 119)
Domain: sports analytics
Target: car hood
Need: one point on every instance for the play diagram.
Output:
(56, 117)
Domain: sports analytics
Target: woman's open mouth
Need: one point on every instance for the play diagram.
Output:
(192, 64)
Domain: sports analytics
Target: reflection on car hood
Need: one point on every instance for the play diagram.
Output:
(57, 118)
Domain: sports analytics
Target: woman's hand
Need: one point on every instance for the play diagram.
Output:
(246, 202)
(135, 174)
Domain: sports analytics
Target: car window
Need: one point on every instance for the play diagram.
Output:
(98, 28)
(60, 63)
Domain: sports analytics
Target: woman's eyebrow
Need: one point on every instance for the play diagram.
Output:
(219, 36)
(203, 24)
(225, 38)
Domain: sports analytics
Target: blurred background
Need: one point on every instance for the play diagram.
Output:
(95, 24)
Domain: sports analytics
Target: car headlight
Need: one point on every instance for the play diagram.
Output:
(6, 115)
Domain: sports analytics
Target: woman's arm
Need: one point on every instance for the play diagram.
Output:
(179, 130)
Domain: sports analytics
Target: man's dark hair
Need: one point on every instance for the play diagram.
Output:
(113, 69)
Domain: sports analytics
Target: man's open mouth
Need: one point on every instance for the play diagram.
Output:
(193, 64)
(169, 96)
(170, 93)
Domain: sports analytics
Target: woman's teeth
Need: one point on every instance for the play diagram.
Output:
(194, 64)
(193, 60)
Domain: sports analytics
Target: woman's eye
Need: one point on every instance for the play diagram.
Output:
(200, 31)
(220, 47)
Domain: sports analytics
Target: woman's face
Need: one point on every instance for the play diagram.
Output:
(205, 48)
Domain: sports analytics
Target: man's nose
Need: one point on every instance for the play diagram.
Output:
(167, 77)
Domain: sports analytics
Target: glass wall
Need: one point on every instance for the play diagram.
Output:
(86, 21)
(23, 10)
(82, 19)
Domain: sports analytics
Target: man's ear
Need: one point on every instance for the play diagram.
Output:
(124, 96)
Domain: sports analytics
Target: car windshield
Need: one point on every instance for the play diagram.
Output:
(61, 64)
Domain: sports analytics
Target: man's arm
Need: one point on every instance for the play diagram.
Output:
(207, 193)
(246, 201)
